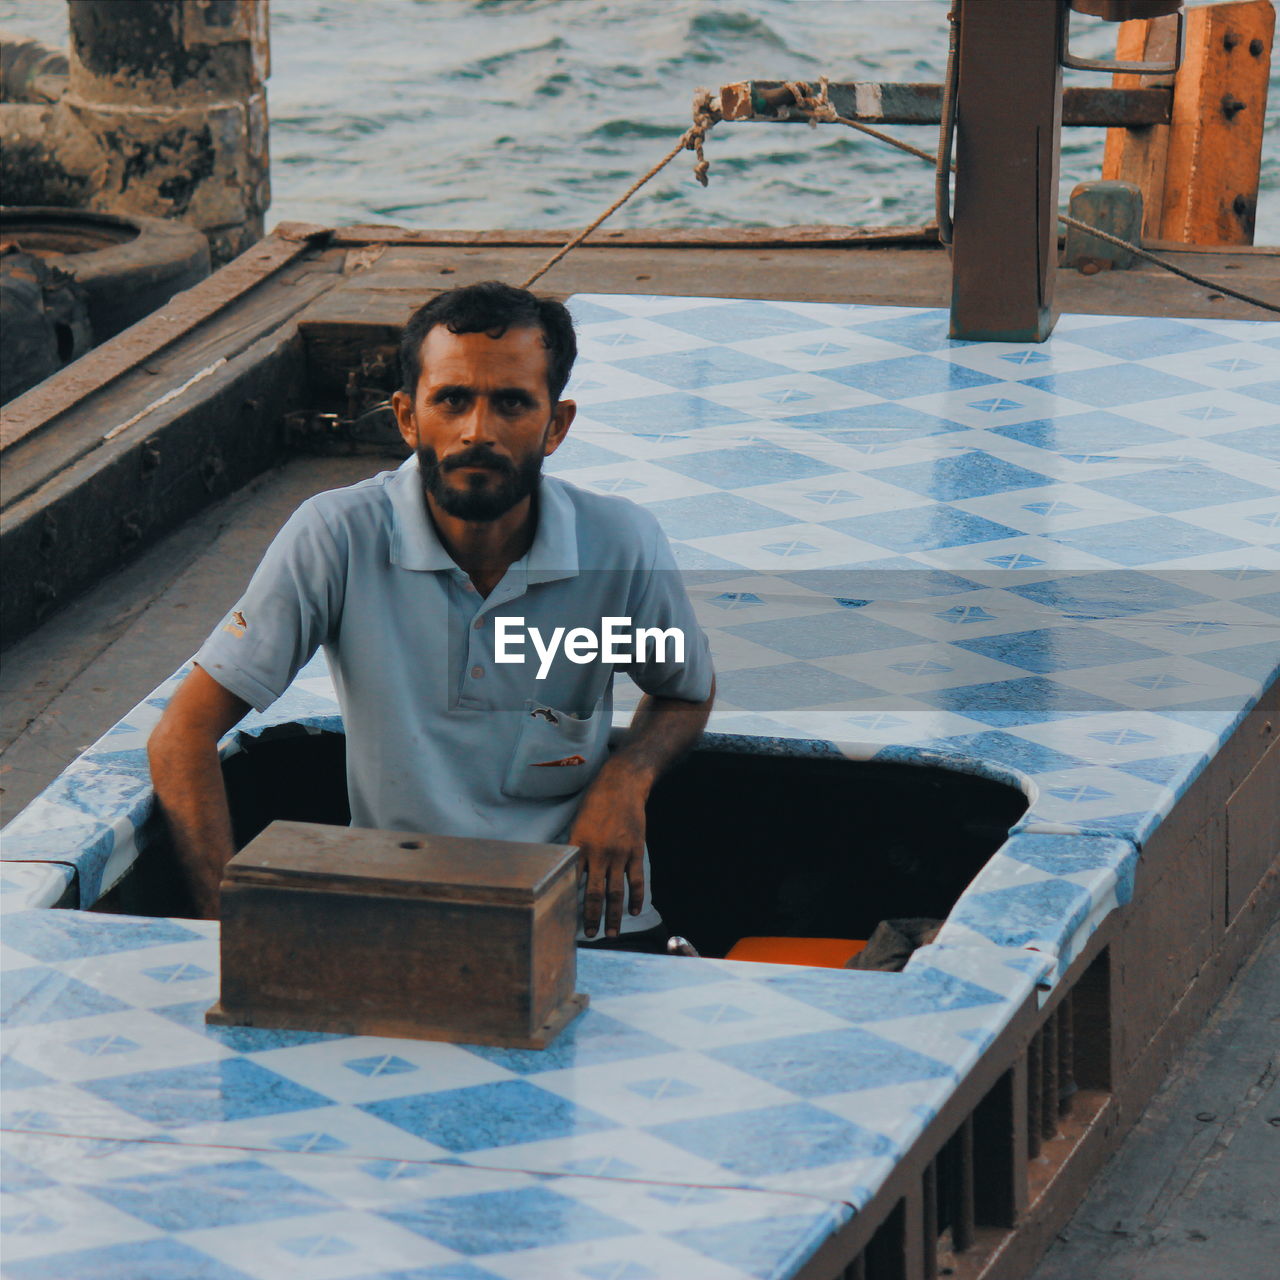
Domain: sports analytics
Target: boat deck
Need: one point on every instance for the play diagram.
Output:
(1049, 565)
(89, 662)
(1053, 566)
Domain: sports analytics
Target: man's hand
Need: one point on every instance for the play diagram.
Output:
(609, 829)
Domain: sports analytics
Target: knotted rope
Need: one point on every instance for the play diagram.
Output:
(706, 114)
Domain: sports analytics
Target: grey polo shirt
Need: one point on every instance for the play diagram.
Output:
(441, 737)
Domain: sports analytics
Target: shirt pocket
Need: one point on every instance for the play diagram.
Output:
(556, 754)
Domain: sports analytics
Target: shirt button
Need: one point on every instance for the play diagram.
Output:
(477, 672)
(479, 623)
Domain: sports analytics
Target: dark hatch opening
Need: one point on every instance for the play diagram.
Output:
(749, 845)
(740, 844)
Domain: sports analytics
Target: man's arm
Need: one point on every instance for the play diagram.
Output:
(187, 776)
(610, 824)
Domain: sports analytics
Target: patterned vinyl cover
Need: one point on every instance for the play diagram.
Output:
(1053, 565)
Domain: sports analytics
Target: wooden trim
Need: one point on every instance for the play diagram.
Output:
(641, 238)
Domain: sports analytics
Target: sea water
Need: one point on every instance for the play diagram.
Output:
(538, 113)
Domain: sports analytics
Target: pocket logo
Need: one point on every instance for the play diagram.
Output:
(557, 764)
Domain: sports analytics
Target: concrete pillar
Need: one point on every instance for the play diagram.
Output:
(171, 95)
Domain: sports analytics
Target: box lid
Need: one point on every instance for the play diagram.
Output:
(357, 860)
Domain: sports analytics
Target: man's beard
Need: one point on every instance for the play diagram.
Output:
(484, 499)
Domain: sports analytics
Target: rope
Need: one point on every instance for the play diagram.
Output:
(706, 114)
(1166, 264)
(819, 108)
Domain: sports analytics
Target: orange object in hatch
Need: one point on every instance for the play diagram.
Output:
(819, 953)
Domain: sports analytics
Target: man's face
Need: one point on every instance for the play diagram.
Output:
(481, 420)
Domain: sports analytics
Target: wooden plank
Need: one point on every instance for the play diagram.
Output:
(1000, 1150)
(644, 237)
(1138, 154)
(1215, 137)
(898, 103)
(929, 1214)
(894, 1251)
(1147, 106)
(91, 518)
(366, 311)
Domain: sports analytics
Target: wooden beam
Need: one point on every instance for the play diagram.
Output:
(1215, 138)
(1137, 154)
(789, 237)
(1008, 118)
(898, 103)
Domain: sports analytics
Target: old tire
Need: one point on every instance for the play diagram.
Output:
(127, 265)
(44, 322)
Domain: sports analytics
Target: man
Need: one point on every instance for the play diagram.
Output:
(421, 584)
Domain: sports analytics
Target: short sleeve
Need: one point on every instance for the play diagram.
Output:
(287, 611)
(662, 605)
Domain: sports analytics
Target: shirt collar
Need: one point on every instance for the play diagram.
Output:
(554, 553)
(414, 544)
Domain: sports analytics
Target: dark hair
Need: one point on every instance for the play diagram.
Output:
(491, 307)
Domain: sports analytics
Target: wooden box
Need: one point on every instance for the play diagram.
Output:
(383, 933)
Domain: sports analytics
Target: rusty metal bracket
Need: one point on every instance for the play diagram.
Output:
(1069, 59)
(304, 428)
(372, 430)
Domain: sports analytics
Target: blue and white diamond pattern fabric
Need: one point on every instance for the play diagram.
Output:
(1055, 566)
(89, 1207)
(757, 1077)
(91, 818)
(1045, 893)
(735, 1114)
(24, 885)
(868, 485)
(1125, 471)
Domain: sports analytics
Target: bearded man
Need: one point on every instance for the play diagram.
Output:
(416, 582)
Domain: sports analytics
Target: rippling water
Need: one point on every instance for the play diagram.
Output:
(538, 113)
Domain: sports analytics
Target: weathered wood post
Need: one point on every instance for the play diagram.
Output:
(172, 93)
(1199, 173)
(1008, 121)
